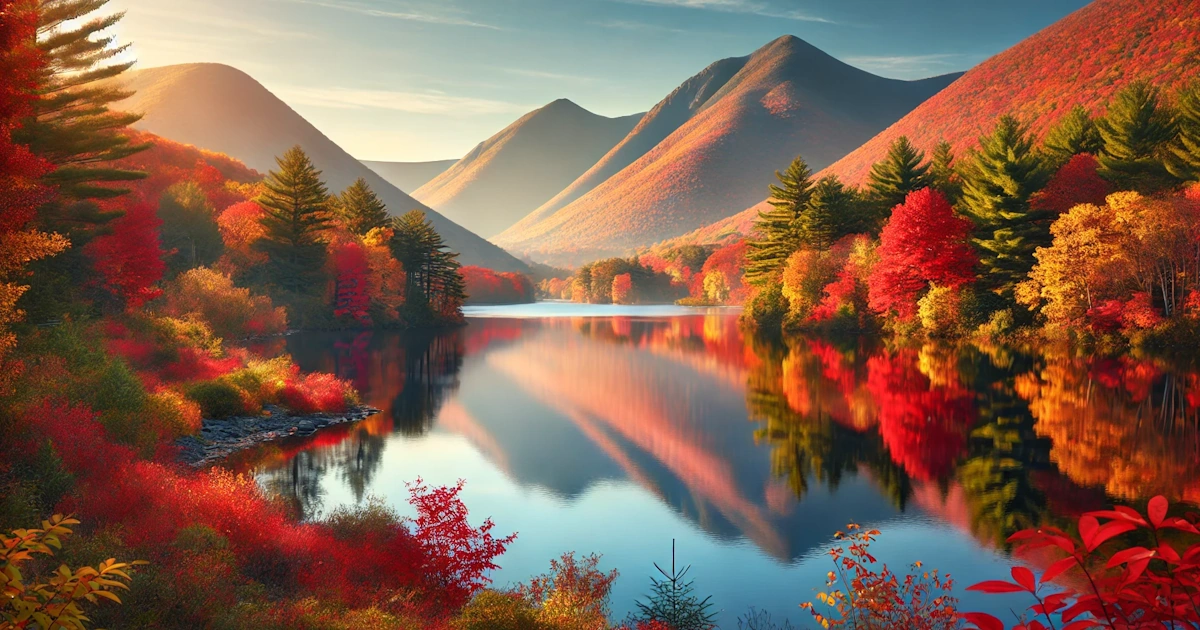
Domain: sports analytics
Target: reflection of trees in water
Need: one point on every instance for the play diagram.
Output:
(408, 376)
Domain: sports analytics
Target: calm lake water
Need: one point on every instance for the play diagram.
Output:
(617, 429)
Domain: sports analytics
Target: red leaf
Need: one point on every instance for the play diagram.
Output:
(1136, 569)
(1058, 568)
(1108, 531)
(1181, 525)
(1088, 525)
(983, 621)
(1120, 513)
(1157, 510)
(1025, 578)
(1082, 624)
(996, 586)
(1128, 555)
(1168, 553)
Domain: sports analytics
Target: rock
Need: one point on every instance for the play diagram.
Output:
(218, 439)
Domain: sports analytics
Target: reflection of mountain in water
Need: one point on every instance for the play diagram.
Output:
(778, 445)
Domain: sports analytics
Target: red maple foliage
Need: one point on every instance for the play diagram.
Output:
(729, 259)
(1078, 181)
(129, 259)
(1114, 585)
(485, 286)
(352, 295)
(622, 287)
(923, 243)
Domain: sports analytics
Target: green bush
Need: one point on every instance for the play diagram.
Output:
(767, 310)
(496, 610)
(219, 399)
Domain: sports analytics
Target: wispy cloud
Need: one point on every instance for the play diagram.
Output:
(438, 103)
(628, 25)
(407, 14)
(753, 7)
(912, 65)
(192, 14)
(551, 76)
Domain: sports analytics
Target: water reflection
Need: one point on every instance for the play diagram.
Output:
(778, 445)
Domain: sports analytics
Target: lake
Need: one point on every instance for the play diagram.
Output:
(615, 429)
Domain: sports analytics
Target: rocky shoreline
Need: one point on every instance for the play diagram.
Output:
(219, 439)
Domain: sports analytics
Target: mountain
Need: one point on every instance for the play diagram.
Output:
(508, 175)
(722, 133)
(409, 175)
(1082, 59)
(223, 109)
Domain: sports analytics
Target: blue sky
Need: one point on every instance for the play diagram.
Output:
(428, 79)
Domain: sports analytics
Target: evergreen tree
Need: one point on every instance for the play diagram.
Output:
(189, 232)
(72, 127)
(295, 205)
(942, 174)
(1184, 161)
(832, 212)
(435, 290)
(779, 233)
(998, 181)
(1073, 134)
(903, 171)
(1137, 132)
(673, 601)
(360, 209)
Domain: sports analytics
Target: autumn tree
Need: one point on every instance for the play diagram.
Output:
(1138, 131)
(1073, 134)
(942, 174)
(20, 189)
(622, 288)
(71, 125)
(901, 172)
(352, 292)
(1184, 161)
(923, 243)
(190, 234)
(778, 229)
(129, 260)
(295, 214)
(360, 209)
(1078, 181)
(998, 181)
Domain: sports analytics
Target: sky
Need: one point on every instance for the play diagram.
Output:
(413, 80)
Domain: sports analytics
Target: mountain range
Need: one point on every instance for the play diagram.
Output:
(222, 109)
(524, 165)
(710, 147)
(1082, 59)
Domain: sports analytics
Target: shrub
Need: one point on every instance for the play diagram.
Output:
(220, 399)
(173, 414)
(58, 601)
(766, 310)
(231, 312)
(573, 595)
(497, 610)
(317, 393)
(872, 600)
(940, 312)
(1124, 587)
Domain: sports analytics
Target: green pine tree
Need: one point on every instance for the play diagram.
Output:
(903, 171)
(434, 289)
(360, 208)
(942, 174)
(296, 213)
(998, 180)
(1138, 131)
(832, 212)
(1073, 134)
(189, 231)
(779, 233)
(673, 601)
(1184, 160)
(72, 126)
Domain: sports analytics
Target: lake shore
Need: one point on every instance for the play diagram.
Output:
(219, 439)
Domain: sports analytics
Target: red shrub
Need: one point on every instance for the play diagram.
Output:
(1078, 181)
(317, 392)
(129, 259)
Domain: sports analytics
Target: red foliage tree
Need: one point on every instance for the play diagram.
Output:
(729, 259)
(923, 243)
(485, 286)
(352, 294)
(129, 259)
(1078, 181)
(622, 287)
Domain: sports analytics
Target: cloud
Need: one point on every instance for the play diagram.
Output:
(409, 15)
(552, 76)
(752, 7)
(198, 15)
(909, 65)
(437, 103)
